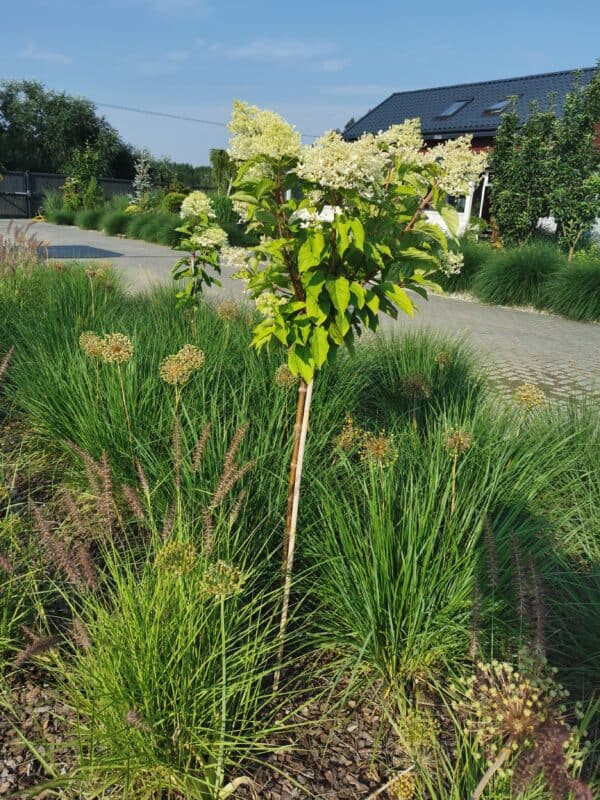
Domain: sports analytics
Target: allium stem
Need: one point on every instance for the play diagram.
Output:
(300, 431)
(453, 498)
(127, 417)
(491, 771)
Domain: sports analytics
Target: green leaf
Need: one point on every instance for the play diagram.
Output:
(450, 217)
(339, 292)
(358, 292)
(358, 233)
(319, 346)
(301, 363)
(399, 297)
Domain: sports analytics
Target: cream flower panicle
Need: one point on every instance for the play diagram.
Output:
(195, 204)
(333, 163)
(461, 166)
(257, 132)
(210, 238)
(451, 263)
(403, 142)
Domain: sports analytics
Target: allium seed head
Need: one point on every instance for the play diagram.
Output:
(529, 396)
(177, 558)
(458, 442)
(223, 580)
(284, 377)
(117, 348)
(91, 344)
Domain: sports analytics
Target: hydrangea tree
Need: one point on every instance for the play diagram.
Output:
(343, 237)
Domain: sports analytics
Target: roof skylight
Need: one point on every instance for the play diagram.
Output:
(499, 107)
(453, 108)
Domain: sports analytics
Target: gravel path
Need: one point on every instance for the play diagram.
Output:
(559, 355)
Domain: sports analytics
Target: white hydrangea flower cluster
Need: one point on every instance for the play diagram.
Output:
(404, 141)
(258, 132)
(267, 303)
(195, 204)
(336, 164)
(451, 263)
(460, 165)
(314, 219)
(235, 258)
(209, 238)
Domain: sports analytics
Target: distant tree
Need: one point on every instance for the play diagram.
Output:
(549, 167)
(41, 129)
(223, 169)
(576, 182)
(350, 123)
(522, 168)
(193, 177)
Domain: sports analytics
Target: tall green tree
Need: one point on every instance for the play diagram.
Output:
(576, 182)
(223, 169)
(549, 166)
(40, 130)
(522, 167)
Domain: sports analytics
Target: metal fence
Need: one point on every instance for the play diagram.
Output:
(22, 193)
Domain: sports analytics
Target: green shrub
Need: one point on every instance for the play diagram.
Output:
(114, 222)
(475, 254)
(118, 202)
(171, 202)
(93, 196)
(88, 218)
(52, 205)
(135, 222)
(64, 217)
(517, 275)
(574, 291)
(223, 207)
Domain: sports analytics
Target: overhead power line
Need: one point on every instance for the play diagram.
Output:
(178, 116)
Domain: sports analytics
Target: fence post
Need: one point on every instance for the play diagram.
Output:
(28, 193)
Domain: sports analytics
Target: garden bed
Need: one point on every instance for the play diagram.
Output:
(440, 529)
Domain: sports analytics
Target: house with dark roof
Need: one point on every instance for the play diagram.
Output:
(447, 112)
(450, 111)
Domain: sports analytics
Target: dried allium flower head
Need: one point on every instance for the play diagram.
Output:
(458, 442)
(402, 786)
(177, 558)
(223, 580)
(117, 348)
(415, 386)
(91, 273)
(378, 448)
(177, 369)
(350, 436)
(443, 359)
(91, 344)
(503, 706)
(284, 377)
(228, 311)
(192, 356)
(529, 396)
(174, 371)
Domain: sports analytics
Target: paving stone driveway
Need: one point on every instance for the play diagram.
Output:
(559, 355)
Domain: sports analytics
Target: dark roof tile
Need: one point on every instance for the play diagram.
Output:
(472, 117)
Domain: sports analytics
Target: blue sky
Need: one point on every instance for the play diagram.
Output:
(317, 62)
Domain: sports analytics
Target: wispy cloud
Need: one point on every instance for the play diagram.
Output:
(165, 65)
(278, 51)
(36, 53)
